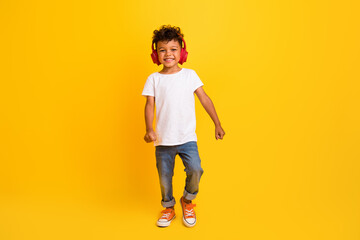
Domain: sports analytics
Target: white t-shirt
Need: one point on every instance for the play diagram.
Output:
(175, 105)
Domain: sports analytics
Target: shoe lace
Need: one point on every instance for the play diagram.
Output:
(189, 210)
(166, 213)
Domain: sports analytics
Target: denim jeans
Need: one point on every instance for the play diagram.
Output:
(165, 162)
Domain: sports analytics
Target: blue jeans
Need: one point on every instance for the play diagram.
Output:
(165, 162)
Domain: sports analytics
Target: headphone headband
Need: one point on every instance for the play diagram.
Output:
(152, 45)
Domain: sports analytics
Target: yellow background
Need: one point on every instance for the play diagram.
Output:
(284, 78)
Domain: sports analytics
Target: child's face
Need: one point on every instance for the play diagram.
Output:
(169, 53)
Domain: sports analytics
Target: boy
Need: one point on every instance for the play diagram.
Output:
(172, 91)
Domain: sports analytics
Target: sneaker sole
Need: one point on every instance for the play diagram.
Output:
(165, 224)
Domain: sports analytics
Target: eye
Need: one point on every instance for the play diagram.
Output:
(162, 50)
(174, 49)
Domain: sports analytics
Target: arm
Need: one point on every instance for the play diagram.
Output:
(149, 117)
(210, 109)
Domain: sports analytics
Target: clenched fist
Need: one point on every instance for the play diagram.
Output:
(219, 132)
(150, 136)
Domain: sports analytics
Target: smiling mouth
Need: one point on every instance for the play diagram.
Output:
(168, 59)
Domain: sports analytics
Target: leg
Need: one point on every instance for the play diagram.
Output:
(189, 154)
(165, 161)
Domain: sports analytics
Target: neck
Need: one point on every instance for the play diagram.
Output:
(171, 70)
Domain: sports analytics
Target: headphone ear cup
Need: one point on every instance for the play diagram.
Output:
(154, 57)
(183, 56)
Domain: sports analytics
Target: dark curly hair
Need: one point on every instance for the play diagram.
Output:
(167, 33)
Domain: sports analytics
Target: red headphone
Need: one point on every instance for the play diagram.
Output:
(183, 54)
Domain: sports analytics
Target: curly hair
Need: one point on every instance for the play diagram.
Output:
(167, 33)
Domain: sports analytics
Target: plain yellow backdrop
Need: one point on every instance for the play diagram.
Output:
(284, 79)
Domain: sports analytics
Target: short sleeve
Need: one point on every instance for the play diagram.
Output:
(149, 89)
(196, 82)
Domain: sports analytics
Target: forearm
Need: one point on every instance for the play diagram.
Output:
(149, 116)
(210, 109)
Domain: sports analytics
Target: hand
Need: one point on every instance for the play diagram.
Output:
(219, 132)
(150, 136)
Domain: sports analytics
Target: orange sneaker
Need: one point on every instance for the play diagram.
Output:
(189, 217)
(167, 215)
